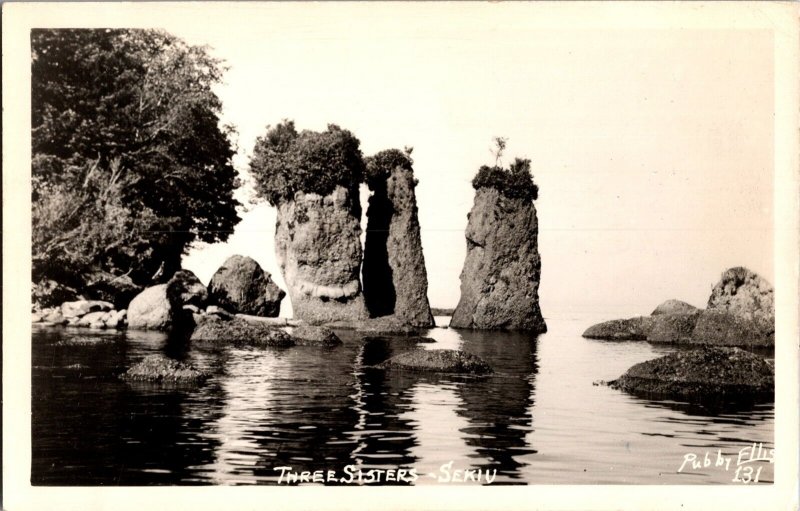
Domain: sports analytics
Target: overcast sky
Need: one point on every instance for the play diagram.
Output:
(653, 149)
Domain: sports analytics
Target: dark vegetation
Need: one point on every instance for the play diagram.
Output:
(515, 182)
(285, 162)
(380, 165)
(129, 163)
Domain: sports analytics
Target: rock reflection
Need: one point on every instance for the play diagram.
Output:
(498, 407)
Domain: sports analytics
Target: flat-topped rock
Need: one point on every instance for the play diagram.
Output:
(240, 332)
(702, 374)
(437, 361)
(315, 336)
(161, 369)
(633, 329)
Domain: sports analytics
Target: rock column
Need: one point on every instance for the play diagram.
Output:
(500, 278)
(319, 252)
(395, 279)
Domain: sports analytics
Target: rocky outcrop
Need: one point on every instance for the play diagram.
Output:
(80, 308)
(185, 288)
(160, 369)
(717, 327)
(315, 336)
(241, 332)
(674, 307)
(746, 295)
(500, 278)
(698, 375)
(633, 329)
(741, 312)
(240, 285)
(319, 251)
(395, 279)
(437, 361)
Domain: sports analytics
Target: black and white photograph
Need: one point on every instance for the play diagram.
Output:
(478, 255)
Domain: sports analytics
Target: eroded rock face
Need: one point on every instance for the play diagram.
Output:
(500, 278)
(747, 295)
(319, 251)
(395, 279)
(240, 285)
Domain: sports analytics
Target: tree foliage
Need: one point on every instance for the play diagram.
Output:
(381, 164)
(285, 162)
(130, 163)
(515, 182)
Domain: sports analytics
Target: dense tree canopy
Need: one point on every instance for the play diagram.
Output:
(515, 182)
(285, 162)
(130, 163)
(381, 164)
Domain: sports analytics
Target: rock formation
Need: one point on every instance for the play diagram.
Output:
(241, 286)
(319, 252)
(746, 295)
(437, 361)
(395, 280)
(741, 312)
(500, 278)
(702, 374)
(160, 307)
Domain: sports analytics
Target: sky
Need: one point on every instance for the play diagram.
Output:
(652, 149)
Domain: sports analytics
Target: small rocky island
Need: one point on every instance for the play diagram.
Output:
(740, 312)
(501, 273)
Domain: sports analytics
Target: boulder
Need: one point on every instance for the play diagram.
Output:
(674, 307)
(438, 361)
(500, 278)
(633, 329)
(185, 288)
(388, 325)
(80, 308)
(315, 336)
(672, 327)
(160, 369)
(319, 251)
(52, 316)
(117, 319)
(240, 285)
(718, 327)
(395, 279)
(240, 332)
(151, 309)
(746, 295)
(698, 375)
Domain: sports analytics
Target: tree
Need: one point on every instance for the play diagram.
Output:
(285, 162)
(130, 164)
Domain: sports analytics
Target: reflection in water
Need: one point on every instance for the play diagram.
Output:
(537, 419)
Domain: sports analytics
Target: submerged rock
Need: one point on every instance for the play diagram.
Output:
(319, 251)
(705, 373)
(439, 361)
(85, 341)
(500, 278)
(633, 329)
(240, 285)
(388, 325)
(160, 369)
(395, 279)
(745, 294)
(238, 331)
(315, 336)
(674, 307)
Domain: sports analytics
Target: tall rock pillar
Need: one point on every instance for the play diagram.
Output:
(500, 278)
(395, 279)
(319, 251)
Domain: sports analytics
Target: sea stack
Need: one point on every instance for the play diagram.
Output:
(313, 179)
(395, 279)
(500, 278)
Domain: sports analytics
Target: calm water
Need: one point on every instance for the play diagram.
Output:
(538, 420)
